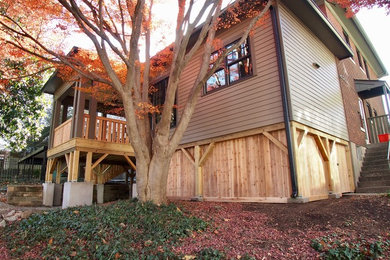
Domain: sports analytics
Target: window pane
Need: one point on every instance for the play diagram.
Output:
(240, 70)
(216, 80)
(237, 53)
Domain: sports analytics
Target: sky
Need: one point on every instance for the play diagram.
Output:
(376, 24)
(374, 21)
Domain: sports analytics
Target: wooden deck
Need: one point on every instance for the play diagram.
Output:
(105, 155)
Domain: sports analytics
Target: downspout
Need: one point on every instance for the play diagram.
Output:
(286, 112)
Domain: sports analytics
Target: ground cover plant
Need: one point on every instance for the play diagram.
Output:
(347, 228)
(120, 230)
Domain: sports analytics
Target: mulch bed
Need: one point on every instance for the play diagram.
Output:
(281, 231)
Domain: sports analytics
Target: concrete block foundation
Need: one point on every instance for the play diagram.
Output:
(77, 194)
(48, 194)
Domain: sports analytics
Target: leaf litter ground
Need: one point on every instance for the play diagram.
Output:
(205, 230)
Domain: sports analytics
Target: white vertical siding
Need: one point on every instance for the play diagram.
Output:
(315, 93)
(251, 103)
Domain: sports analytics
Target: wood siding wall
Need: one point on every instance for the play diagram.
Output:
(250, 168)
(323, 163)
(251, 103)
(315, 95)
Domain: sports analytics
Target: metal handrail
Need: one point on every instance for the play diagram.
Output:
(388, 150)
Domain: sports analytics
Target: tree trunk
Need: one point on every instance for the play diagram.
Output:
(152, 179)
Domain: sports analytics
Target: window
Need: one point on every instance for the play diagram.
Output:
(359, 58)
(362, 116)
(366, 68)
(346, 37)
(236, 65)
(158, 100)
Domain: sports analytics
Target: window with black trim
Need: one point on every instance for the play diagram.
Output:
(158, 100)
(346, 37)
(366, 68)
(359, 58)
(237, 65)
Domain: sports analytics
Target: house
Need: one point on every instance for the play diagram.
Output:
(275, 126)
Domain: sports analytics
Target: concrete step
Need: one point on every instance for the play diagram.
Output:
(375, 167)
(380, 189)
(374, 173)
(378, 145)
(375, 164)
(374, 178)
(365, 184)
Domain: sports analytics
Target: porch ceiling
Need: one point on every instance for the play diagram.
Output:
(371, 88)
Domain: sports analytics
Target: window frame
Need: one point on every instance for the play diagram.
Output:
(226, 65)
(153, 98)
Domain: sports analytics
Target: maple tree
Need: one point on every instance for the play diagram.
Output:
(353, 6)
(34, 32)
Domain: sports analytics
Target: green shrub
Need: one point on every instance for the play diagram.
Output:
(126, 230)
(332, 248)
(210, 254)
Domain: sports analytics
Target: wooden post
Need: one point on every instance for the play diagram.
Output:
(75, 98)
(64, 112)
(198, 173)
(76, 161)
(55, 121)
(58, 172)
(88, 167)
(70, 166)
(92, 117)
(79, 115)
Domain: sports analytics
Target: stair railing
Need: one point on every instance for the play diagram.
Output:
(388, 153)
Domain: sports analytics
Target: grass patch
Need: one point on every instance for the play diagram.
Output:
(125, 230)
(333, 247)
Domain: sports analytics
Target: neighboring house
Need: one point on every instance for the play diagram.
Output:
(275, 126)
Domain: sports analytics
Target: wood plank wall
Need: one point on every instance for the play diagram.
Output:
(323, 163)
(250, 168)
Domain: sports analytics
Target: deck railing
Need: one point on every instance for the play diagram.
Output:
(378, 125)
(62, 133)
(106, 129)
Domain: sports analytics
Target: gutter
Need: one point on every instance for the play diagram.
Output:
(286, 110)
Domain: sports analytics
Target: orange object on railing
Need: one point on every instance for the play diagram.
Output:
(383, 138)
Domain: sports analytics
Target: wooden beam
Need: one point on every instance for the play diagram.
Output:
(321, 147)
(99, 160)
(322, 134)
(246, 133)
(76, 163)
(276, 142)
(106, 169)
(198, 173)
(206, 154)
(70, 166)
(188, 155)
(58, 172)
(130, 162)
(301, 137)
(88, 167)
(92, 119)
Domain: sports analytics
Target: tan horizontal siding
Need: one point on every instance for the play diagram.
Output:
(315, 94)
(248, 104)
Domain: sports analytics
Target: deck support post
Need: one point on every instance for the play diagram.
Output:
(92, 118)
(88, 167)
(100, 193)
(198, 174)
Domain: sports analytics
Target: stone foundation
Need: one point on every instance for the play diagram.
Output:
(25, 195)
